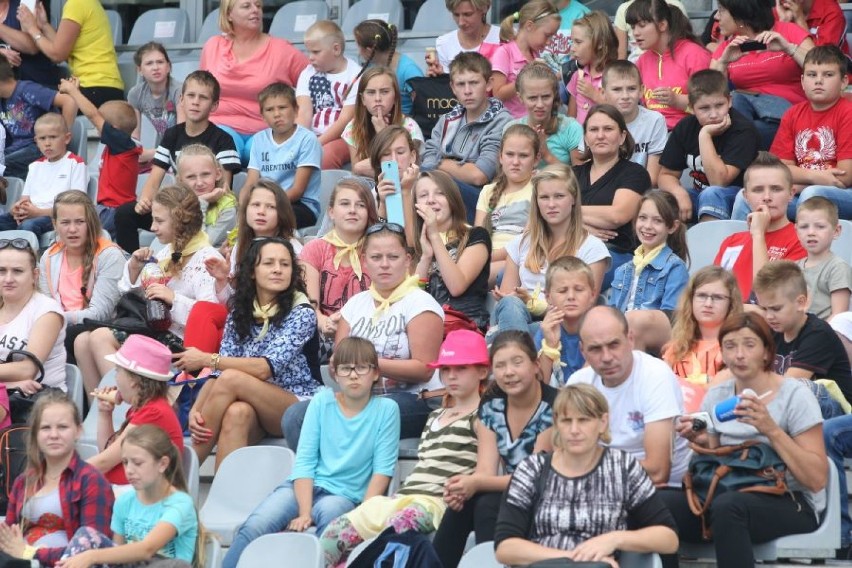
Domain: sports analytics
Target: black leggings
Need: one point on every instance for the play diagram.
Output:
(745, 519)
(304, 216)
(479, 514)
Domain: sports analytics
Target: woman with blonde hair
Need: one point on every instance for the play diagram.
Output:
(576, 502)
(474, 33)
(710, 297)
(555, 230)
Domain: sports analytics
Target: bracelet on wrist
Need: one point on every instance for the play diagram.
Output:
(214, 361)
(37, 37)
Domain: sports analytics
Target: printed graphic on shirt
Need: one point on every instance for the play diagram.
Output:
(636, 420)
(696, 171)
(327, 105)
(12, 342)
(288, 164)
(330, 287)
(730, 256)
(816, 150)
(783, 362)
(385, 332)
(653, 104)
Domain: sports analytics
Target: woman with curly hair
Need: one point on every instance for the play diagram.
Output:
(694, 353)
(268, 359)
(177, 222)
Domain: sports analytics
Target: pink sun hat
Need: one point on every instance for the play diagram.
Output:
(144, 356)
(462, 347)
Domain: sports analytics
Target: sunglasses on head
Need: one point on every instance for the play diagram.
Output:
(18, 244)
(392, 227)
(261, 240)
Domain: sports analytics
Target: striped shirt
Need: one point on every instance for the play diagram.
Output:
(443, 452)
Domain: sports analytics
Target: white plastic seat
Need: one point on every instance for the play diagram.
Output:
(244, 479)
(210, 27)
(703, 241)
(299, 549)
(842, 245)
(389, 11)
(86, 451)
(21, 234)
(14, 190)
(164, 25)
(90, 423)
(433, 16)
(183, 67)
(292, 20)
(80, 140)
(116, 26)
(189, 462)
(820, 544)
(327, 379)
(328, 179)
(74, 385)
(480, 556)
(212, 552)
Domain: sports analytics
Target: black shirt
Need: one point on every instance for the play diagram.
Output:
(623, 175)
(472, 301)
(219, 141)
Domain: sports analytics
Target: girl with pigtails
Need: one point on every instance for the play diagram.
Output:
(377, 43)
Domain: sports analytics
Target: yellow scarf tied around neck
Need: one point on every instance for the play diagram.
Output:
(268, 311)
(195, 244)
(641, 259)
(410, 284)
(344, 250)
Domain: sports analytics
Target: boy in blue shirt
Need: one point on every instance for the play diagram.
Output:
(570, 293)
(287, 153)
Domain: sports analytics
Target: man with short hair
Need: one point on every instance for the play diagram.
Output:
(643, 395)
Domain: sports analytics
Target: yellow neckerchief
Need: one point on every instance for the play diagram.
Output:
(697, 376)
(195, 244)
(407, 285)
(266, 312)
(641, 259)
(227, 201)
(537, 305)
(345, 249)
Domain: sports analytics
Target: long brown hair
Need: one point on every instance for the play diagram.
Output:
(187, 221)
(539, 233)
(539, 71)
(501, 182)
(685, 331)
(601, 36)
(459, 230)
(667, 207)
(36, 463)
(93, 232)
(286, 217)
(364, 195)
(363, 130)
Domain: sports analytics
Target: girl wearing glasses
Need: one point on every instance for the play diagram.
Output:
(694, 352)
(332, 263)
(347, 454)
(28, 320)
(177, 222)
(268, 357)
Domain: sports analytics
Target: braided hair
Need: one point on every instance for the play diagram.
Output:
(93, 232)
(376, 36)
(185, 211)
(501, 182)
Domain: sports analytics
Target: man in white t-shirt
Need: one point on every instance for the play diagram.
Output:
(642, 391)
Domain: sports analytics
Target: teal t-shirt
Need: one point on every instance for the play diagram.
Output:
(568, 136)
(341, 454)
(133, 521)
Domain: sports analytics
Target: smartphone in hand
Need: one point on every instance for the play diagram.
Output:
(393, 202)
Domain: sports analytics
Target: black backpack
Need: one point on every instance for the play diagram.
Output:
(13, 459)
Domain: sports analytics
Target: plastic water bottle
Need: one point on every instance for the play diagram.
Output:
(157, 312)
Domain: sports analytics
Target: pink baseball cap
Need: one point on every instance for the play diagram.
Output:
(462, 347)
(144, 356)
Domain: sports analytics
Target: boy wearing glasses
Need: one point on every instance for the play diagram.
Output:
(806, 346)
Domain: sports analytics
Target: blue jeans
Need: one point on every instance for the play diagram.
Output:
(18, 162)
(765, 111)
(107, 217)
(511, 313)
(276, 512)
(413, 413)
(243, 143)
(470, 195)
(37, 225)
(714, 201)
(837, 433)
(840, 197)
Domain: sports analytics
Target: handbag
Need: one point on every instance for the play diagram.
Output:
(21, 403)
(455, 320)
(431, 98)
(750, 467)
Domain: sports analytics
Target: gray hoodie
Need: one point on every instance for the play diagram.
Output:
(476, 143)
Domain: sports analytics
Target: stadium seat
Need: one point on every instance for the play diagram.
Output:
(86, 451)
(90, 423)
(703, 241)
(293, 19)
(182, 68)
(20, 234)
(329, 179)
(74, 385)
(116, 26)
(168, 26)
(80, 138)
(432, 17)
(842, 245)
(212, 552)
(243, 480)
(14, 189)
(389, 11)
(210, 27)
(299, 549)
(189, 462)
(147, 130)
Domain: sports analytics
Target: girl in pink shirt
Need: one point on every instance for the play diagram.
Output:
(537, 21)
(672, 55)
(594, 46)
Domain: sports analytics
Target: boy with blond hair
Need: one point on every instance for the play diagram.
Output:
(570, 292)
(327, 90)
(806, 346)
(828, 276)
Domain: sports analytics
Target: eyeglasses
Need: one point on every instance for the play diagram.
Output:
(702, 298)
(347, 370)
(379, 227)
(19, 244)
(281, 240)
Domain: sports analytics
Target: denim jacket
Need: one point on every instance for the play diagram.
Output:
(659, 286)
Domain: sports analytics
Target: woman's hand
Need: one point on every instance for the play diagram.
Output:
(213, 196)
(603, 234)
(300, 524)
(191, 360)
(81, 560)
(28, 387)
(28, 21)
(683, 426)
(142, 207)
(217, 268)
(732, 51)
(463, 486)
(588, 90)
(329, 324)
(752, 411)
(430, 221)
(140, 256)
(597, 549)
(409, 177)
(160, 292)
(12, 540)
(14, 57)
(433, 66)
(523, 294)
(41, 15)
(198, 432)
(384, 187)
(775, 42)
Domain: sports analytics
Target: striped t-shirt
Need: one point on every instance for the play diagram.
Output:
(443, 452)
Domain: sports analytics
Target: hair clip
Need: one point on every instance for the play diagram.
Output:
(377, 37)
(516, 16)
(176, 256)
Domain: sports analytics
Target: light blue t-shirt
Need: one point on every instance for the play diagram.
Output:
(133, 521)
(406, 69)
(568, 137)
(278, 162)
(341, 454)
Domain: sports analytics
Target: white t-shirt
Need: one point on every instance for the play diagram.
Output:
(46, 180)
(16, 333)
(326, 91)
(448, 45)
(592, 250)
(649, 394)
(389, 332)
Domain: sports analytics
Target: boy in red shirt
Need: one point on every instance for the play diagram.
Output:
(814, 139)
(771, 236)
